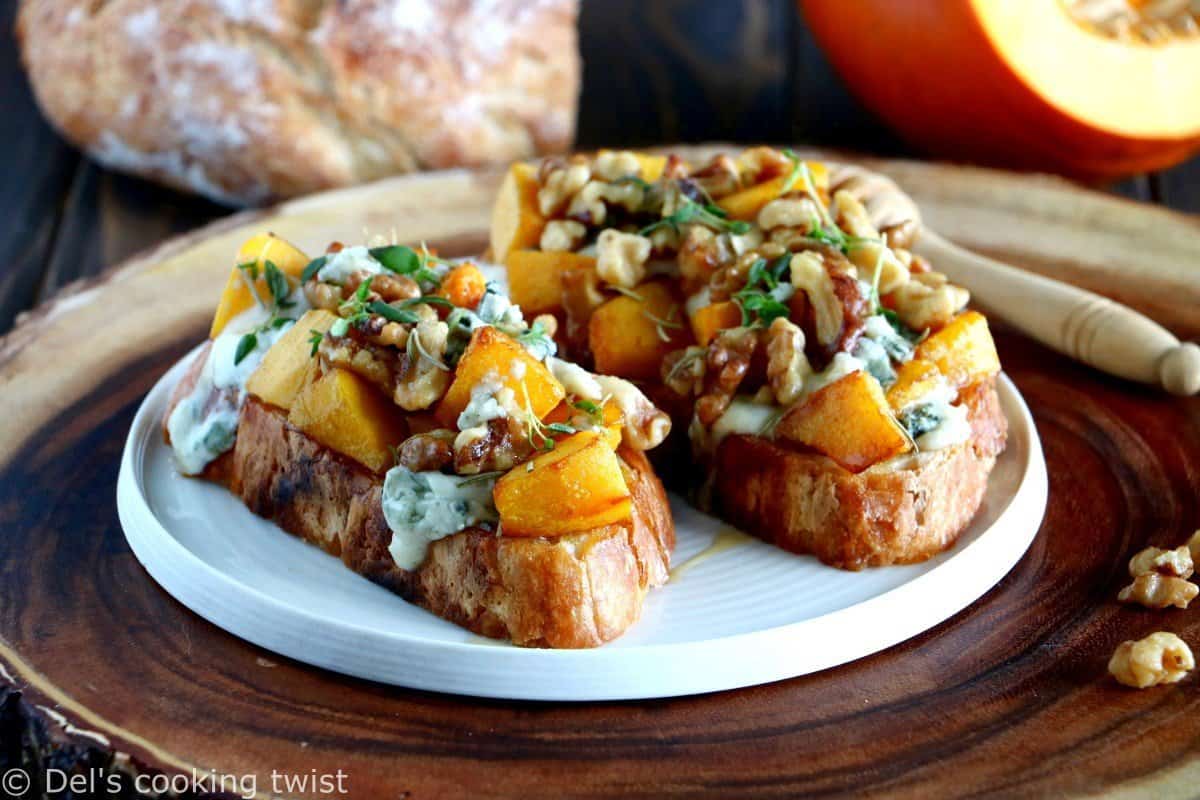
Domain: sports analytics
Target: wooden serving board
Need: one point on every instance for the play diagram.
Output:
(102, 668)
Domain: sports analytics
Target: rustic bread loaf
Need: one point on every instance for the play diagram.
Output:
(248, 100)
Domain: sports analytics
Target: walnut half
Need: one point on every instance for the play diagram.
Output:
(1157, 659)
(1159, 591)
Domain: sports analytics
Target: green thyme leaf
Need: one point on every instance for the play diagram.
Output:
(315, 337)
(392, 313)
(397, 258)
(428, 300)
(245, 346)
(480, 478)
(561, 427)
(250, 268)
(277, 282)
(340, 327)
(587, 406)
(313, 267)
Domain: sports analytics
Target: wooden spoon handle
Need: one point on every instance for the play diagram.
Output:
(1085, 326)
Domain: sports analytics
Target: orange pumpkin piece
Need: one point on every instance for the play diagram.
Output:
(535, 278)
(350, 416)
(629, 336)
(463, 286)
(492, 355)
(286, 366)
(914, 380)
(746, 204)
(849, 421)
(258, 250)
(710, 320)
(516, 222)
(963, 350)
(575, 487)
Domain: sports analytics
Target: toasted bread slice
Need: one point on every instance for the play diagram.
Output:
(573, 591)
(897, 512)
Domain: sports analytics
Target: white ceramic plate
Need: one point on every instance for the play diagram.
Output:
(739, 616)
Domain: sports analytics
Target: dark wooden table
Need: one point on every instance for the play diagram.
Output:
(663, 71)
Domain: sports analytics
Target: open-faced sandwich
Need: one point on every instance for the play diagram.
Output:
(398, 410)
(838, 397)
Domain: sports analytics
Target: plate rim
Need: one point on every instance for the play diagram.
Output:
(201, 587)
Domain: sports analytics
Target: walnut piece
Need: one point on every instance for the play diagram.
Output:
(789, 212)
(426, 452)
(621, 258)
(787, 365)
(613, 164)
(1157, 659)
(810, 276)
(559, 186)
(562, 236)
(424, 376)
(1159, 591)
(1177, 562)
(928, 301)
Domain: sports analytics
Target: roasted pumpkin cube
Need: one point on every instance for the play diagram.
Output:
(849, 420)
(285, 367)
(575, 487)
(914, 380)
(463, 286)
(350, 416)
(492, 355)
(236, 296)
(713, 318)
(516, 222)
(535, 278)
(746, 204)
(963, 350)
(629, 335)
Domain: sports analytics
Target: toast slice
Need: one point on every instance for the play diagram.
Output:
(396, 410)
(897, 512)
(578, 590)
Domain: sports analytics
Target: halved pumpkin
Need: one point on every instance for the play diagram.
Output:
(1020, 83)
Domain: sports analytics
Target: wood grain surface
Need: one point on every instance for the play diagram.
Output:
(1009, 698)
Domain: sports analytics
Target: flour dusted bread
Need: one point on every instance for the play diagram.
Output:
(248, 100)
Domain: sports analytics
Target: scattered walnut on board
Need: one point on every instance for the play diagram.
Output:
(1177, 562)
(1153, 590)
(1157, 659)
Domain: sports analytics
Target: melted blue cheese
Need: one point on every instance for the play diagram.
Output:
(341, 265)
(204, 423)
(934, 422)
(745, 417)
(422, 507)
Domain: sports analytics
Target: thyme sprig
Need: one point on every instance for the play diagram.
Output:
(280, 288)
(709, 215)
(537, 430)
(756, 299)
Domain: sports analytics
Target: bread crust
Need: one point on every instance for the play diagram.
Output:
(575, 591)
(898, 512)
(249, 100)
